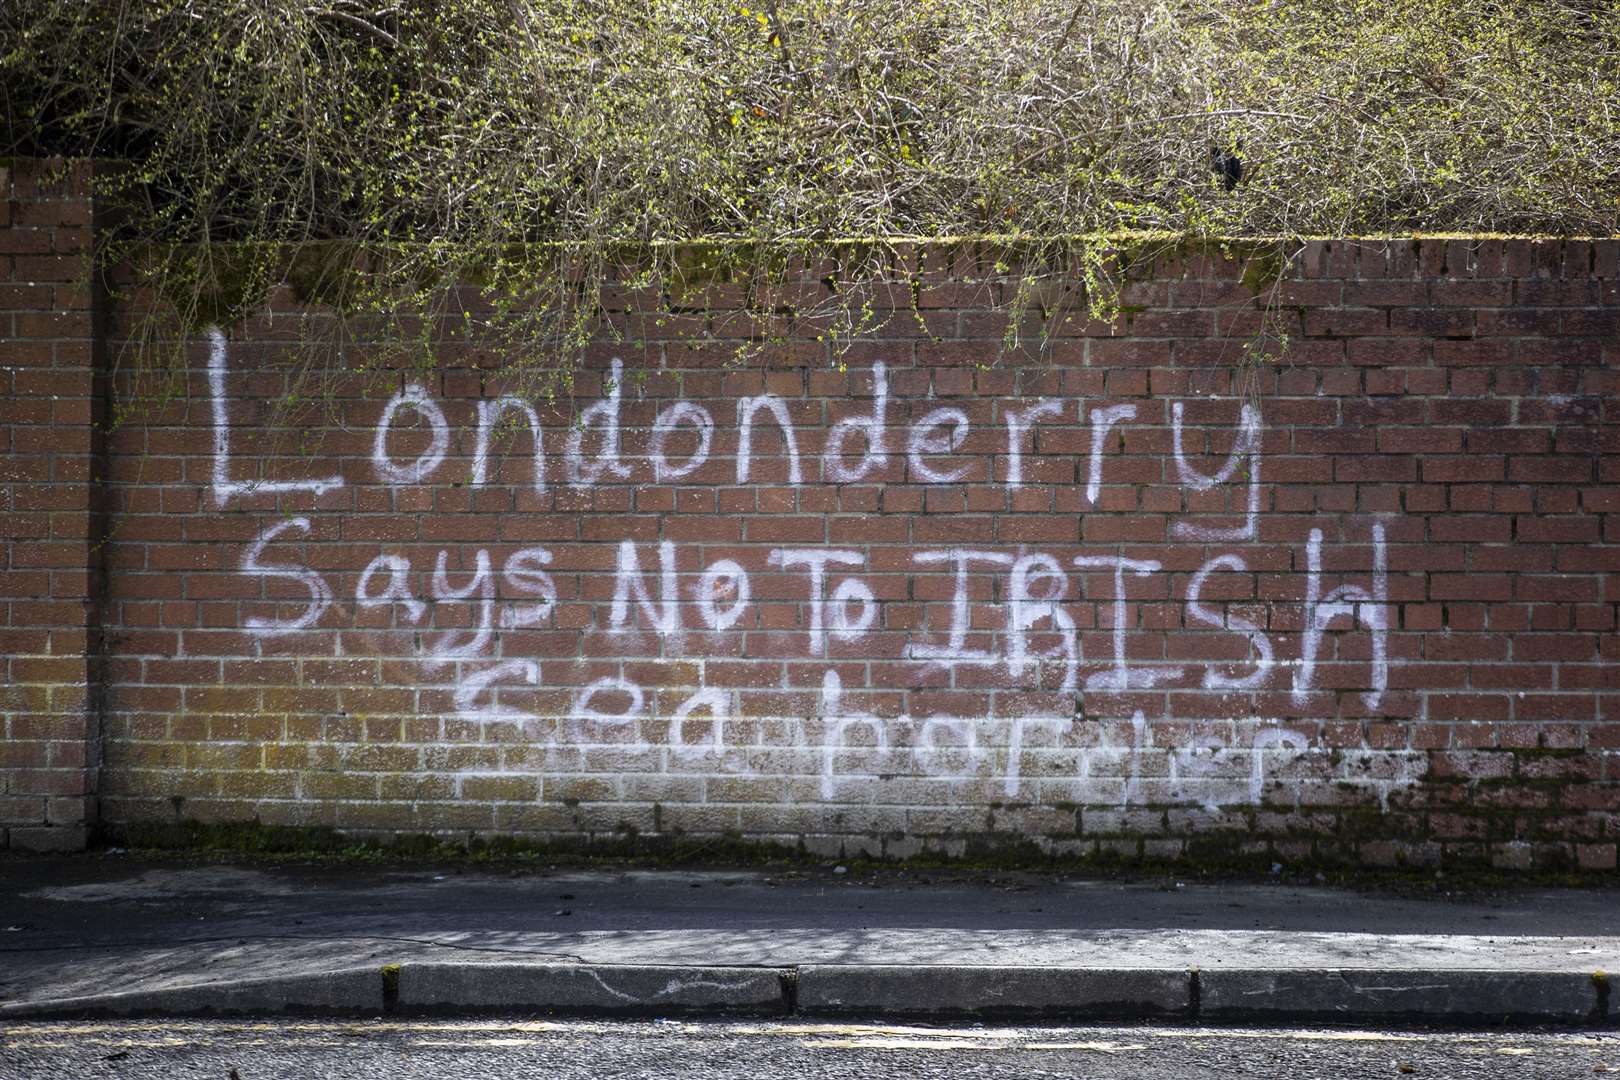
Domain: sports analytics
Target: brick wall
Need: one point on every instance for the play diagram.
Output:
(49, 403)
(1121, 597)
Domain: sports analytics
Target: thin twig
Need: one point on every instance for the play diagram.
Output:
(357, 22)
(1068, 28)
(1151, 120)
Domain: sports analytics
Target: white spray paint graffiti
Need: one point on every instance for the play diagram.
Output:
(839, 722)
(815, 564)
(473, 683)
(746, 408)
(456, 644)
(955, 648)
(583, 473)
(320, 594)
(1031, 632)
(664, 616)
(585, 713)
(489, 412)
(525, 574)
(1101, 421)
(666, 424)
(1246, 449)
(925, 440)
(1026, 606)
(1020, 421)
(1353, 602)
(225, 489)
(1123, 675)
(718, 705)
(1197, 612)
(415, 398)
(397, 591)
(722, 580)
(871, 427)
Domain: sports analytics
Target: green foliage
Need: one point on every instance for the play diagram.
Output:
(545, 148)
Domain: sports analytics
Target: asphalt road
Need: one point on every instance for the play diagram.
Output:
(503, 1049)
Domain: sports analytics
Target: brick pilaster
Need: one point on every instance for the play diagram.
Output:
(48, 554)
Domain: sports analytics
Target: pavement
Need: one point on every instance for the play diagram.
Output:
(122, 936)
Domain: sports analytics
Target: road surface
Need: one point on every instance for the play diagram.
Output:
(508, 1049)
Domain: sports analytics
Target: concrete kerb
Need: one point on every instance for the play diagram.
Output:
(593, 988)
(913, 992)
(342, 992)
(995, 992)
(1461, 997)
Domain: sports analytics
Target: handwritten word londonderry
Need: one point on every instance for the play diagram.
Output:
(856, 449)
(672, 601)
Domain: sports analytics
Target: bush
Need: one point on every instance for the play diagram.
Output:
(535, 145)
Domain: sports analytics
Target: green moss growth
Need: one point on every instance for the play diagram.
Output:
(1008, 854)
(324, 273)
(248, 838)
(213, 285)
(626, 846)
(217, 284)
(1226, 856)
(1264, 266)
(696, 266)
(390, 981)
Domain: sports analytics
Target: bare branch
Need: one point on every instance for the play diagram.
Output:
(357, 23)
